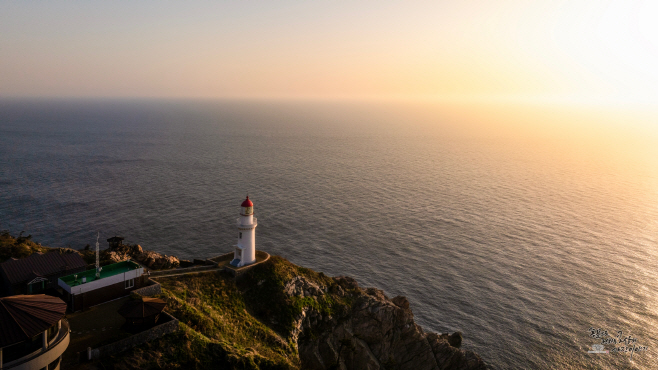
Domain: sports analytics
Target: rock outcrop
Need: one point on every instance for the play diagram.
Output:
(150, 259)
(372, 333)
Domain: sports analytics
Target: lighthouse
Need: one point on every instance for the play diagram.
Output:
(245, 250)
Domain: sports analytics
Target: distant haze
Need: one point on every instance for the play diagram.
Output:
(293, 49)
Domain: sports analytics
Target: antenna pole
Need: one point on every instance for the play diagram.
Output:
(98, 271)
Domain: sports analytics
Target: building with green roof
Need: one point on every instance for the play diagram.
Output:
(86, 289)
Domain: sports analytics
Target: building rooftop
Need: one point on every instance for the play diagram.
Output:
(141, 308)
(247, 203)
(39, 264)
(106, 271)
(24, 316)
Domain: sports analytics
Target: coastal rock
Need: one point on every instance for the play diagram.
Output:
(401, 302)
(117, 257)
(157, 261)
(302, 287)
(346, 282)
(454, 339)
(376, 333)
(63, 250)
(150, 259)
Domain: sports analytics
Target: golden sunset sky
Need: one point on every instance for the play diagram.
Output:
(575, 50)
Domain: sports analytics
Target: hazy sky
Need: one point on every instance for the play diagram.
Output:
(565, 49)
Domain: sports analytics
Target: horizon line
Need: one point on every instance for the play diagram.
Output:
(532, 99)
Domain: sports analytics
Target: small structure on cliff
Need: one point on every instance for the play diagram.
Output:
(143, 310)
(115, 242)
(245, 250)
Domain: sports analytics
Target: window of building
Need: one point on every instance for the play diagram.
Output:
(130, 283)
(240, 235)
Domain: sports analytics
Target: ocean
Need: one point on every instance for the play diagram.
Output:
(523, 231)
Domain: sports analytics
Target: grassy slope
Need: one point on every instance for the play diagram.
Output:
(224, 325)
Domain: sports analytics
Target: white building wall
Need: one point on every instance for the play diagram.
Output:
(101, 283)
(247, 226)
(247, 220)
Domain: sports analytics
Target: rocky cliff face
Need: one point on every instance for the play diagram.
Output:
(279, 316)
(374, 333)
(338, 325)
(150, 259)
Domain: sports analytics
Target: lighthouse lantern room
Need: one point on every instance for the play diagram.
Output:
(245, 250)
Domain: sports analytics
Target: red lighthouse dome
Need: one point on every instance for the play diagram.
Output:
(247, 203)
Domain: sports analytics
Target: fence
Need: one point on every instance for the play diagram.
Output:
(182, 270)
(152, 289)
(170, 326)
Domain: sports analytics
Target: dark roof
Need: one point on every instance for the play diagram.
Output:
(39, 264)
(140, 308)
(115, 239)
(24, 316)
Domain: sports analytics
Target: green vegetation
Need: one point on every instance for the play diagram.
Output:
(263, 288)
(19, 247)
(229, 325)
(224, 323)
(188, 349)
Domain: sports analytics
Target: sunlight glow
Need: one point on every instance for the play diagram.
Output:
(576, 50)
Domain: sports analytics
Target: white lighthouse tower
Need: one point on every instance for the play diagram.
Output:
(245, 251)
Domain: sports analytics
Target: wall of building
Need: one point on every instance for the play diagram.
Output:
(97, 284)
(107, 293)
(7, 289)
(42, 358)
(247, 226)
(5, 286)
(155, 332)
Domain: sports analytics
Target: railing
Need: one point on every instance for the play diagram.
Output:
(169, 326)
(62, 336)
(239, 224)
(182, 270)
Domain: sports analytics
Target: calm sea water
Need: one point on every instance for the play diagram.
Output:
(522, 236)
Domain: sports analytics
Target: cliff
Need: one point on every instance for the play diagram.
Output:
(374, 332)
(275, 316)
(282, 316)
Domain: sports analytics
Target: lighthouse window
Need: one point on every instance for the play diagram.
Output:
(240, 235)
